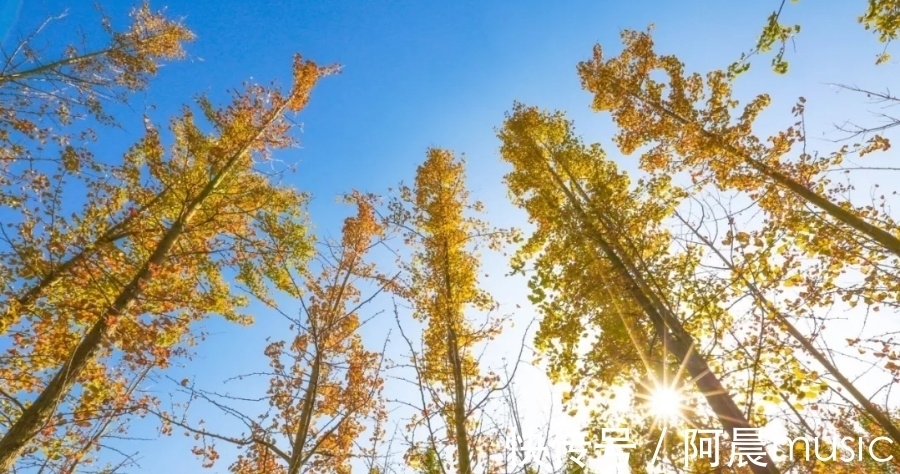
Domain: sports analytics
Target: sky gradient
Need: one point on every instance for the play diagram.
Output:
(429, 74)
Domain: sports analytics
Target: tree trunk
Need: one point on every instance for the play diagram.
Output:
(883, 237)
(879, 416)
(669, 329)
(35, 417)
(459, 388)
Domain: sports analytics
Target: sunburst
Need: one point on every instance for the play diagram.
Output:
(665, 404)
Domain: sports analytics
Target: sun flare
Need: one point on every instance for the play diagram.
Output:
(665, 404)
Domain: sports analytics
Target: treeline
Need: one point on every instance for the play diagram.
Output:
(715, 273)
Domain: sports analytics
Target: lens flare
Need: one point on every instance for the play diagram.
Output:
(665, 404)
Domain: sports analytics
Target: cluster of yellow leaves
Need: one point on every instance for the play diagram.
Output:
(145, 257)
(811, 236)
(442, 230)
(134, 53)
(445, 281)
(594, 333)
(325, 386)
(256, 460)
(692, 127)
(38, 90)
(881, 16)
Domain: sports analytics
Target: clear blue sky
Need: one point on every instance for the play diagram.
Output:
(422, 74)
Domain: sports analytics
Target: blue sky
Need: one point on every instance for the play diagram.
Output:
(423, 74)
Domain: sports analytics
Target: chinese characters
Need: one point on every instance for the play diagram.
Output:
(747, 447)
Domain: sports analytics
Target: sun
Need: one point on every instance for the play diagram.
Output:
(665, 403)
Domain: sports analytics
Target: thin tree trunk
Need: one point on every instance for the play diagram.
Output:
(51, 66)
(298, 457)
(459, 407)
(883, 237)
(879, 416)
(459, 398)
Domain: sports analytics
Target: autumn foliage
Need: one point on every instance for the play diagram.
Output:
(144, 256)
(715, 268)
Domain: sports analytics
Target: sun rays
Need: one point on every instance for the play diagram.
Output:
(665, 399)
(665, 404)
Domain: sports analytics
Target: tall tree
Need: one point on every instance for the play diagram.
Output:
(441, 286)
(690, 126)
(324, 388)
(123, 280)
(584, 206)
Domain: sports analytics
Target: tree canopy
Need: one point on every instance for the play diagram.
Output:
(712, 275)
